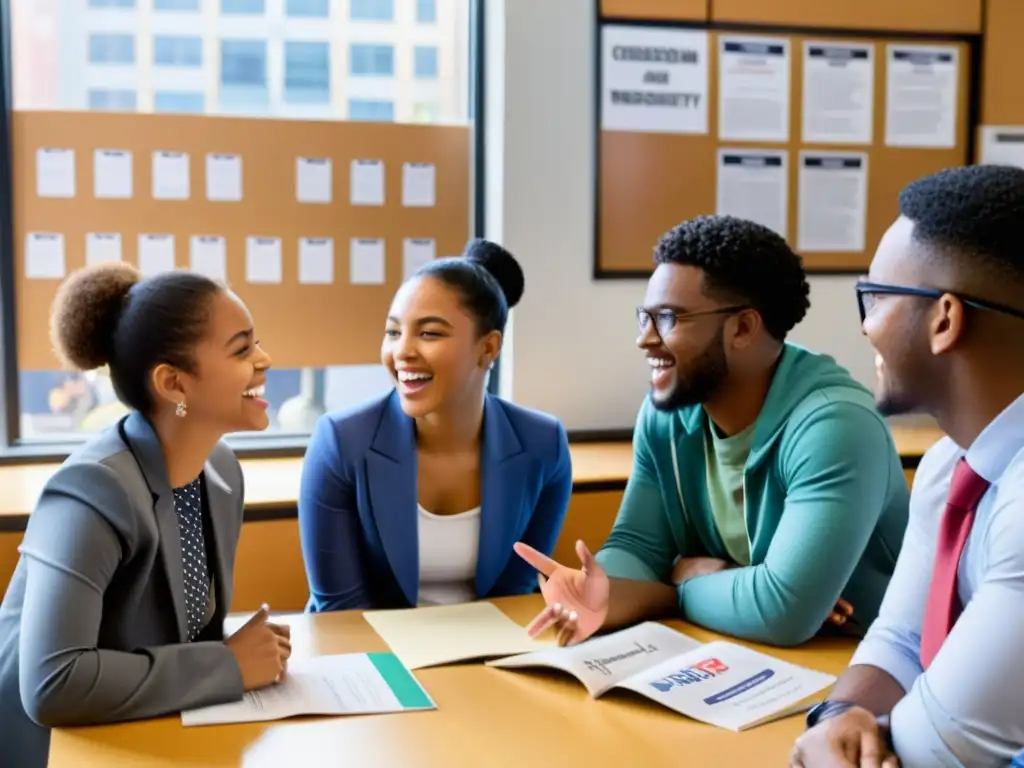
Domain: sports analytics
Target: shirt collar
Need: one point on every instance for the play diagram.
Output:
(1002, 439)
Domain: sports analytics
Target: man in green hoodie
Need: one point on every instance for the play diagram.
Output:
(766, 493)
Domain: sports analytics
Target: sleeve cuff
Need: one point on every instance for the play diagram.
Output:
(895, 660)
(620, 564)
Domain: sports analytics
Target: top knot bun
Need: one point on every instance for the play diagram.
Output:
(85, 311)
(502, 266)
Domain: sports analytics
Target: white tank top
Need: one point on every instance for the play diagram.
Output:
(448, 547)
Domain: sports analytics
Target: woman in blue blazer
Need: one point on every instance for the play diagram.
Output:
(416, 497)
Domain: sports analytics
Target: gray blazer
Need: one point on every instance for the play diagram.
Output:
(93, 627)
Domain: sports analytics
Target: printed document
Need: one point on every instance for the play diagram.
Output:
(345, 684)
(719, 683)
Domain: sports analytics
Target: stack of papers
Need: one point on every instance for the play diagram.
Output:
(346, 684)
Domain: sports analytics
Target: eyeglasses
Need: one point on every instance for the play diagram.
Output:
(665, 319)
(867, 293)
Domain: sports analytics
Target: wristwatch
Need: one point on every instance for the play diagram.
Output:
(830, 708)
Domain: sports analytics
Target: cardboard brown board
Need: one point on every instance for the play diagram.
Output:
(660, 10)
(947, 16)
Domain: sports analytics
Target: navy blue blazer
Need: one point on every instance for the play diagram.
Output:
(358, 510)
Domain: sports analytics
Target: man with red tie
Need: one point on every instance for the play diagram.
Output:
(939, 678)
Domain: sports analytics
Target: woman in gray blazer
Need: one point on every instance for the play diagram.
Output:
(116, 608)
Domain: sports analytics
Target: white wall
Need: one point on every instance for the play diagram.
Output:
(573, 352)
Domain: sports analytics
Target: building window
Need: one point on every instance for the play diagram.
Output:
(426, 11)
(426, 112)
(243, 7)
(372, 10)
(367, 59)
(179, 101)
(307, 73)
(425, 62)
(105, 48)
(175, 5)
(243, 74)
(377, 110)
(111, 3)
(177, 51)
(319, 9)
(112, 100)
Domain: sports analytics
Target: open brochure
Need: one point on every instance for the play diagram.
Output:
(720, 683)
(346, 684)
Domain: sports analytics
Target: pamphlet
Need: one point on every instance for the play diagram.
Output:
(345, 684)
(719, 683)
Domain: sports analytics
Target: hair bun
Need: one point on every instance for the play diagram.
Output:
(85, 311)
(502, 266)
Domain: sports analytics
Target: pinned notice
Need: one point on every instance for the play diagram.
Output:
(44, 256)
(416, 252)
(1002, 145)
(367, 182)
(753, 90)
(921, 96)
(313, 179)
(224, 178)
(263, 260)
(102, 246)
(209, 256)
(366, 261)
(316, 260)
(55, 172)
(156, 254)
(753, 184)
(833, 202)
(418, 185)
(654, 79)
(171, 176)
(839, 93)
(112, 173)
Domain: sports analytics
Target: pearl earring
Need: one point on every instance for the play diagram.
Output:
(179, 410)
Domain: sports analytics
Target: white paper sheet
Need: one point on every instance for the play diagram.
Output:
(156, 254)
(209, 256)
(171, 179)
(367, 182)
(753, 88)
(1002, 145)
(921, 96)
(419, 185)
(833, 195)
(344, 684)
(44, 256)
(102, 246)
(263, 260)
(839, 93)
(654, 79)
(112, 173)
(223, 177)
(754, 184)
(55, 172)
(313, 180)
(366, 261)
(415, 253)
(316, 260)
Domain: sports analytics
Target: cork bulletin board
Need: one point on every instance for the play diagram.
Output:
(301, 323)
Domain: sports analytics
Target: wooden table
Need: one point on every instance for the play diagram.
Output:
(486, 718)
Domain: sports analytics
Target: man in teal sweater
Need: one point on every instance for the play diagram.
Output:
(767, 494)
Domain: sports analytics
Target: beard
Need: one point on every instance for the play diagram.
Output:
(700, 380)
(892, 400)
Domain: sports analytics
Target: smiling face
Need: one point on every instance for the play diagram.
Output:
(688, 361)
(433, 349)
(226, 386)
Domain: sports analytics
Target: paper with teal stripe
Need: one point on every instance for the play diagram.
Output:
(407, 690)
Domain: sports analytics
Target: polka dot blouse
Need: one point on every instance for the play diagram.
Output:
(188, 503)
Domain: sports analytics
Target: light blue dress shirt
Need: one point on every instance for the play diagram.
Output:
(968, 708)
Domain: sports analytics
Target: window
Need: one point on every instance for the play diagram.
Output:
(111, 49)
(426, 11)
(175, 5)
(243, 74)
(242, 7)
(371, 60)
(174, 51)
(178, 101)
(425, 62)
(251, 60)
(112, 101)
(308, 8)
(377, 110)
(372, 10)
(307, 73)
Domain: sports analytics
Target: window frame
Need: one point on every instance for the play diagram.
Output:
(15, 450)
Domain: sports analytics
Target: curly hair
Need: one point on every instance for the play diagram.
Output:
(106, 314)
(746, 261)
(976, 211)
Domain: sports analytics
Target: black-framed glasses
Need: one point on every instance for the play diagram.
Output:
(665, 319)
(867, 293)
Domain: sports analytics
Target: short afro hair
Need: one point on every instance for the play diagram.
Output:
(746, 261)
(975, 211)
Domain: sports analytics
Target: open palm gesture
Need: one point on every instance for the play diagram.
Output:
(577, 599)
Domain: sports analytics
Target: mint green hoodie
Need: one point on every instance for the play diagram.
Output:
(826, 505)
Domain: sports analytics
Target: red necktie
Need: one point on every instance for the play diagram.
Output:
(943, 606)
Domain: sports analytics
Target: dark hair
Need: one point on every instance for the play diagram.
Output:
(749, 262)
(106, 314)
(977, 210)
(487, 278)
